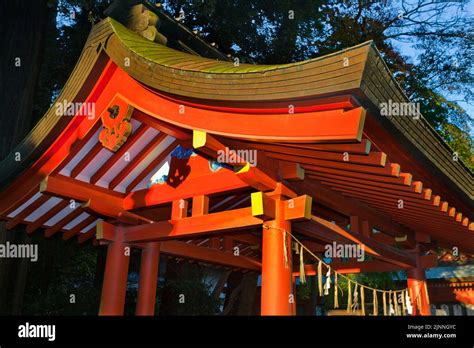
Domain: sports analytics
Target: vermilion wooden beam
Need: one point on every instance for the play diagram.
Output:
(336, 102)
(410, 207)
(209, 146)
(421, 199)
(164, 127)
(83, 237)
(278, 170)
(63, 222)
(200, 205)
(295, 209)
(377, 159)
(352, 266)
(333, 125)
(98, 200)
(228, 244)
(388, 170)
(101, 200)
(290, 171)
(348, 207)
(76, 230)
(362, 148)
(415, 187)
(256, 178)
(214, 242)
(18, 203)
(137, 160)
(217, 182)
(298, 208)
(26, 212)
(378, 250)
(120, 154)
(409, 210)
(190, 227)
(151, 166)
(355, 224)
(45, 217)
(179, 209)
(213, 256)
(427, 224)
(310, 170)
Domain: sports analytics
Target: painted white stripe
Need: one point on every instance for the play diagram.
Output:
(163, 168)
(24, 205)
(85, 150)
(122, 162)
(93, 166)
(76, 221)
(99, 160)
(88, 227)
(145, 163)
(59, 216)
(43, 209)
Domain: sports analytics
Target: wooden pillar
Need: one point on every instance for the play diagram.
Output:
(114, 286)
(148, 280)
(418, 291)
(277, 283)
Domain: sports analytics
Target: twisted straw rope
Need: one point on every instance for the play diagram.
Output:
(328, 266)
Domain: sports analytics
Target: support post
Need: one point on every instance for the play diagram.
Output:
(114, 286)
(418, 291)
(277, 282)
(149, 267)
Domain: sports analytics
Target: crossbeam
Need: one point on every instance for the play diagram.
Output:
(209, 255)
(188, 227)
(371, 247)
(221, 181)
(348, 207)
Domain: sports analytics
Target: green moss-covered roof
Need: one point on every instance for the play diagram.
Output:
(171, 58)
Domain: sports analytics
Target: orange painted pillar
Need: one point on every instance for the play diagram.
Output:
(418, 291)
(114, 287)
(149, 267)
(277, 283)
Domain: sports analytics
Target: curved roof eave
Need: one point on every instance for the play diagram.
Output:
(185, 75)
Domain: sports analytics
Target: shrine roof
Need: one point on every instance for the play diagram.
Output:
(344, 82)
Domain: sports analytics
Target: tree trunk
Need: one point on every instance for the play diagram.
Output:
(247, 294)
(5, 270)
(240, 294)
(22, 25)
(20, 275)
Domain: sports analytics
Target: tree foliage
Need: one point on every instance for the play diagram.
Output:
(438, 75)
